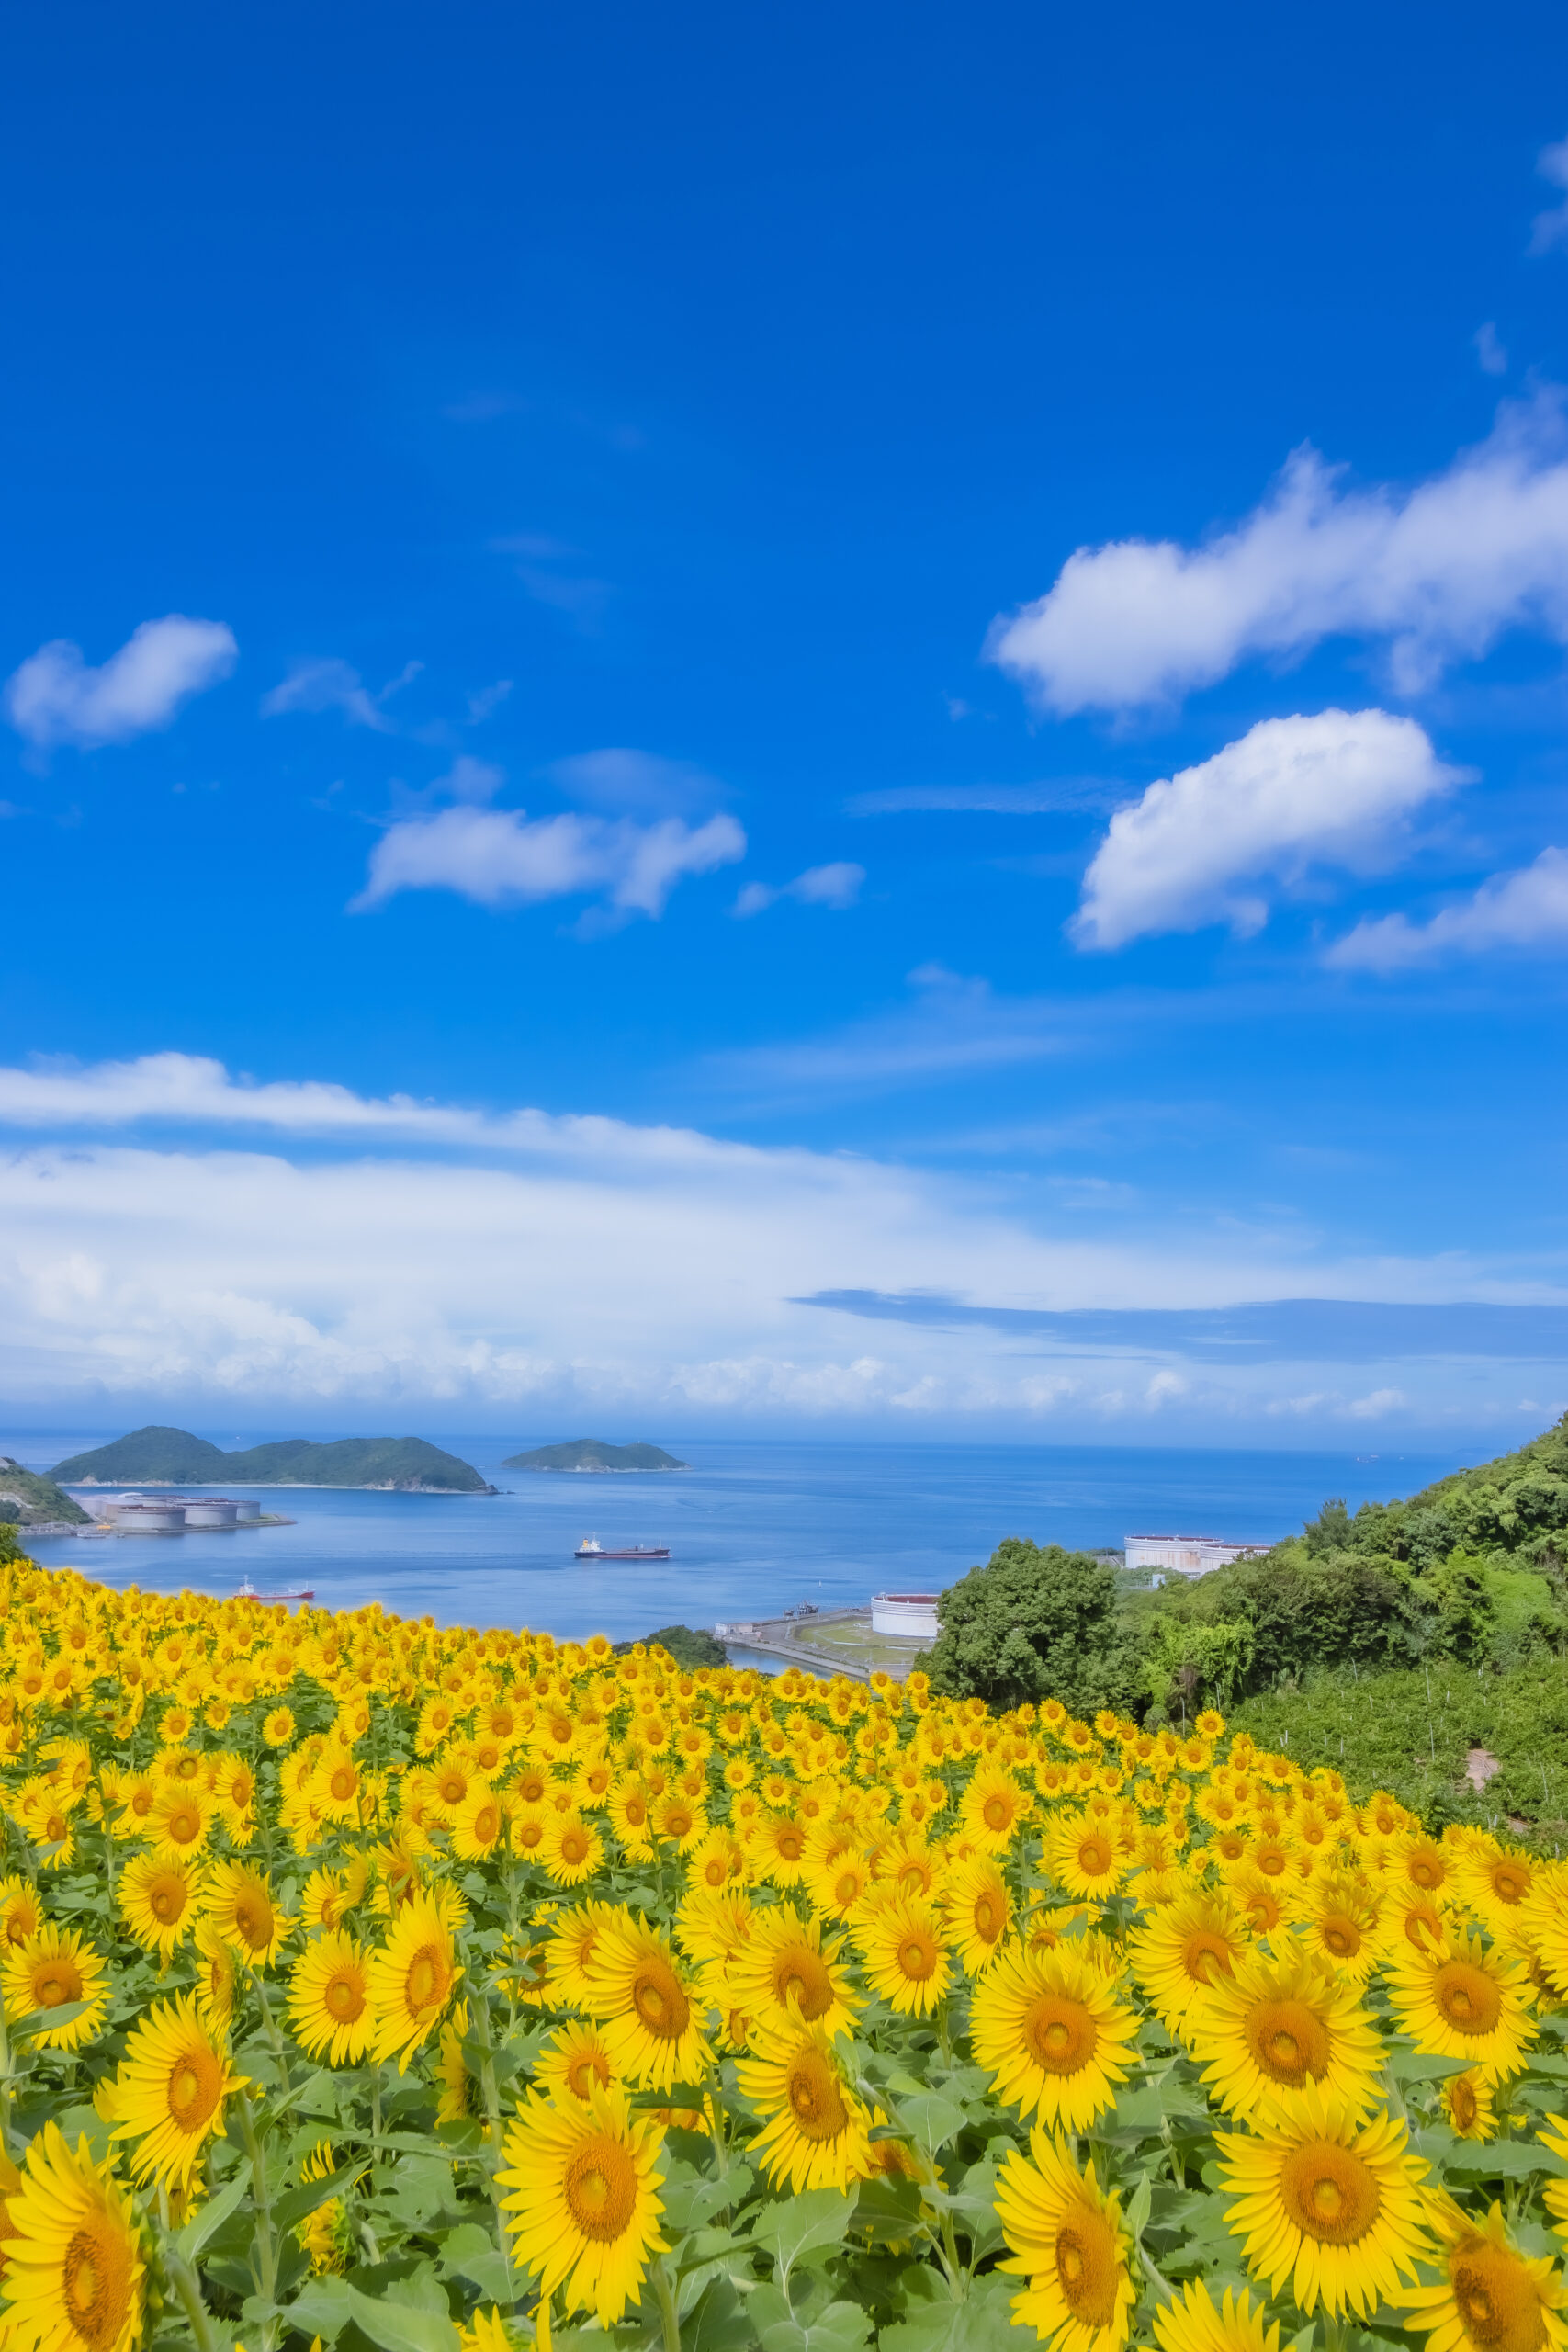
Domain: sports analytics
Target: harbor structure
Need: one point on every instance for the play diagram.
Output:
(910, 1616)
(210, 1510)
(1185, 1556)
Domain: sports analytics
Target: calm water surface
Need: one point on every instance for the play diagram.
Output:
(753, 1527)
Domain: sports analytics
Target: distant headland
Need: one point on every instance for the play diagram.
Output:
(594, 1453)
(175, 1458)
(27, 1500)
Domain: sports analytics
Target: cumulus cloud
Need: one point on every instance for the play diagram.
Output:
(523, 1258)
(837, 886)
(1436, 573)
(55, 697)
(501, 857)
(329, 684)
(1526, 910)
(1290, 794)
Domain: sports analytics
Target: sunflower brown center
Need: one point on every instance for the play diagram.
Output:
(1272, 1860)
(660, 2000)
(918, 1956)
(816, 2100)
(1497, 2299)
(1205, 1956)
(428, 1978)
(1061, 2033)
(1426, 1870)
(1094, 1858)
(166, 1899)
(253, 1917)
(1086, 2269)
(1289, 2040)
(345, 1997)
(1341, 1936)
(1329, 2192)
(996, 1811)
(57, 1981)
(585, 2070)
(195, 2085)
(573, 1844)
(345, 1780)
(1463, 2103)
(800, 1975)
(989, 1916)
(94, 2279)
(1467, 1998)
(601, 2188)
(1510, 1881)
(185, 1826)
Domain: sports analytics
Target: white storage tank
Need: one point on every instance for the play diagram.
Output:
(210, 1510)
(247, 1510)
(910, 1616)
(150, 1518)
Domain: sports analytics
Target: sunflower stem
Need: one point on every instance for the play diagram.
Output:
(184, 2281)
(664, 2297)
(270, 2024)
(479, 2009)
(266, 2251)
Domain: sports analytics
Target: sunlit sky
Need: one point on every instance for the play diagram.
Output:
(851, 718)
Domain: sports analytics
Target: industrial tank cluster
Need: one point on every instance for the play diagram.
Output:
(174, 1514)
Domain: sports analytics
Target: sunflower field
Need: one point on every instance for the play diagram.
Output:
(372, 1984)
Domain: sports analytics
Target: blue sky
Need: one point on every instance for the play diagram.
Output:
(812, 695)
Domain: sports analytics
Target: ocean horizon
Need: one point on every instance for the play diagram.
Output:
(755, 1525)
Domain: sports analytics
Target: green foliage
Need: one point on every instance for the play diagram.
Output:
(689, 1645)
(31, 1501)
(1413, 1730)
(1035, 1623)
(589, 1454)
(175, 1457)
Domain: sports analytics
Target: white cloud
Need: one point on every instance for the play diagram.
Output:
(55, 698)
(1550, 229)
(330, 684)
(837, 886)
(524, 1258)
(499, 857)
(1526, 910)
(629, 783)
(1438, 573)
(1290, 794)
(1491, 357)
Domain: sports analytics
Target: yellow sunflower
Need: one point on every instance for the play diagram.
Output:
(1343, 1924)
(56, 1969)
(653, 2027)
(978, 1910)
(477, 1823)
(239, 1904)
(1461, 2000)
(180, 1821)
(816, 2133)
(1489, 2297)
(159, 1901)
(570, 1850)
(1281, 2025)
(1472, 2112)
(167, 2096)
(1189, 1945)
(583, 2211)
(216, 1977)
(1084, 1856)
(905, 1956)
(1051, 2033)
(783, 1974)
(1064, 2236)
(572, 2062)
(1334, 2205)
(329, 1999)
(412, 1978)
(460, 2092)
(74, 2272)
(1193, 2323)
(994, 1809)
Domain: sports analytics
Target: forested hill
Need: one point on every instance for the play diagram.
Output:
(594, 1454)
(1518, 1504)
(173, 1457)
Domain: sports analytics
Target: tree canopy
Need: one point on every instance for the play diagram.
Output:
(1035, 1623)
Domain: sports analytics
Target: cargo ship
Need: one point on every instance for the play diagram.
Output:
(592, 1549)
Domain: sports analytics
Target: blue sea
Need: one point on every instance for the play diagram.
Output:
(754, 1526)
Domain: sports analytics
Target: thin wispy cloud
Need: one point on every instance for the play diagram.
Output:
(1526, 911)
(1058, 795)
(323, 683)
(837, 886)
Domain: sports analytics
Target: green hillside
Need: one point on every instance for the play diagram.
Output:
(173, 1457)
(27, 1500)
(594, 1453)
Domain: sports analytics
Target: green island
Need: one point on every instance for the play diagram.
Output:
(592, 1454)
(27, 1500)
(1419, 1645)
(175, 1458)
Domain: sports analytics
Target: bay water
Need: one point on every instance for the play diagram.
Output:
(755, 1526)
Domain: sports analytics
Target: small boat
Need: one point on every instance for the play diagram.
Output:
(592, 1549)
(247, 1591)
